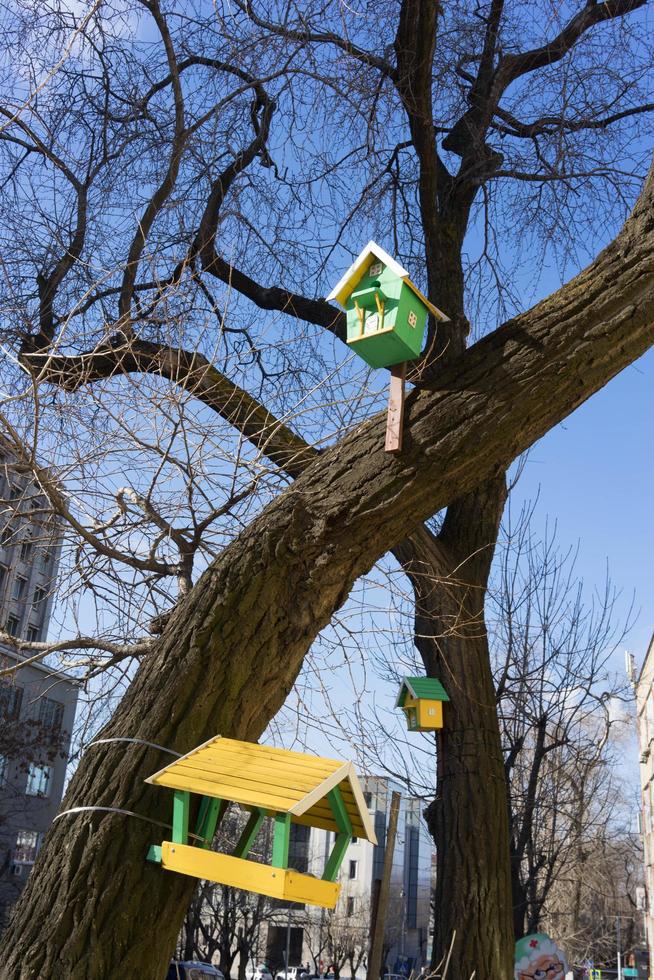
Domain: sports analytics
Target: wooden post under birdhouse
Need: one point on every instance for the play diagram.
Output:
(395, 417)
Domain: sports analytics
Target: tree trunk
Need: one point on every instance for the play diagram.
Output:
(468, 819)
(93, 907)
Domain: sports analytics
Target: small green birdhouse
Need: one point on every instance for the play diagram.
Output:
(386, 312)
(421, 700)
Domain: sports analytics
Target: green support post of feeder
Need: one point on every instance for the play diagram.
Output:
(181, 804)
(281, 840)
(343, 836)
(211, 812)
(250, 831)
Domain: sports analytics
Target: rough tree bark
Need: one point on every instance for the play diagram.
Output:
(468, 818)
(93, 907)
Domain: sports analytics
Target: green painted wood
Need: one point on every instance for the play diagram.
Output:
(250, 831)
(281, 840)
(339, 810)
(429, 688)
(336, 856)
(343, 837)
(404, 320)
(212, 810)
(154, 853)
(181, 805)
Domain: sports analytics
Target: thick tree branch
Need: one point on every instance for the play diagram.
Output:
(192, 372)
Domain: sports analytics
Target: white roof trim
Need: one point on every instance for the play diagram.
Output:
(342, 288)
(355, 273)
(405, 683)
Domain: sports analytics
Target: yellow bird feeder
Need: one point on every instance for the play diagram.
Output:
(286, 787)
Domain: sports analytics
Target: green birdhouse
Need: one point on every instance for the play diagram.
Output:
(421, 700)
(386, 313)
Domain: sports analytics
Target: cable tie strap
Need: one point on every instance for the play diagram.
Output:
(126, 813)
(138, 741)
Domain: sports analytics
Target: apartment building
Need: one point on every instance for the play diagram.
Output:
(645, 716)
(37, 704)
(37, 711)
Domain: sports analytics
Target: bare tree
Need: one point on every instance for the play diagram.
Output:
(170, 194)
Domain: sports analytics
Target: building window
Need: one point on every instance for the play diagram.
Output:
(39, 595)
(15, 492)
(350, 906)
(354, 870)
(368, 799)
(38, 780)
(51, 714)
(20, 587)
(3, 577)
(11, 698)
(25, 550)
(27, 846)
(4, 769)
(5, 536)
(33, 634)
(13, 625)
(354, 840)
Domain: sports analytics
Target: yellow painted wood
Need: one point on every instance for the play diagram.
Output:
(240, 873)
(207, 788)
(297, 784)
(271, 779)
(430, 713)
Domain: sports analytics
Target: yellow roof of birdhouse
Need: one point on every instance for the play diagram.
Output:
(358, 269)
(276, 780)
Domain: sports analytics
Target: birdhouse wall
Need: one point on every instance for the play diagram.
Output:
(430, 714)
(389, 337)
(423, 715)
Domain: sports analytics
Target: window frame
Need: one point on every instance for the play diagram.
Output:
(40, 786)
(57, 709)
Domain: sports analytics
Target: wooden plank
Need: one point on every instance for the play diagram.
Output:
(321, 790)
(250, 831)
(289, 767)
(281, 776)
(310, 891)
(212, 810)
(259, 878)
(232, 748)
(335, 860)
(343, 837)
(395, 417)
(236, 748)
(181, 802)
(281, 840)
(258, 798)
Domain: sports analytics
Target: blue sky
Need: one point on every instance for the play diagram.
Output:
(593, 475)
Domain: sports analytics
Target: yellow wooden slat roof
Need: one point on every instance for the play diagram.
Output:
(273, 779)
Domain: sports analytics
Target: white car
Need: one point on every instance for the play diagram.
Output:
(260, 972)
(293, 973)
